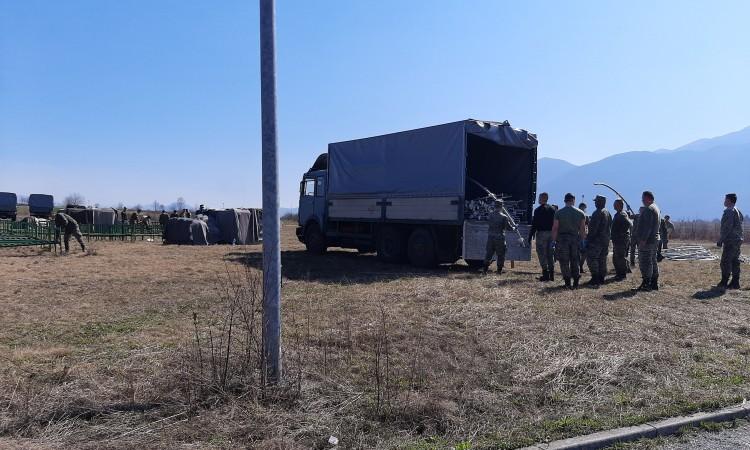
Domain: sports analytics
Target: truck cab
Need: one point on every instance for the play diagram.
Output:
(313, 205)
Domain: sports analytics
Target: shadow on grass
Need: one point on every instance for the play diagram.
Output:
(709, 294)
(620, 295)
(336, 266)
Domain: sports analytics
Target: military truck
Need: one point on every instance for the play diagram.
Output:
(408, 195)
(41, 205)
(8, 205)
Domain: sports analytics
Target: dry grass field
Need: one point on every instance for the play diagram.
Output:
(99, 350)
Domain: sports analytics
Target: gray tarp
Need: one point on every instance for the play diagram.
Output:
(179, 231)
(235, 226)
(93, 216)
(428, 161)
(199, 232)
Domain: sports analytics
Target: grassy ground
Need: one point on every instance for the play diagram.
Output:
(93, 351)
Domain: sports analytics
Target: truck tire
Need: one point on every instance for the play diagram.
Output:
(421, 248)
(315, 240)
(391, 246)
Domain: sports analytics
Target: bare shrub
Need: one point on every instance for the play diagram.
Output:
(225, 355)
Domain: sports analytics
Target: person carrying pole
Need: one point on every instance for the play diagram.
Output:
(731, 241)
(541, 227)
(568, 231)
(498, 223)
(621, 229)
(69, 227)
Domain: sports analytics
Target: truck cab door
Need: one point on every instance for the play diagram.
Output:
(306, 209)
(320, 200)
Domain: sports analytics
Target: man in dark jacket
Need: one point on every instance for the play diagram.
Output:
(647, 235)
(731, 239)
(541, 227)
(69, 226)
(163, 218)
(597, 241)
(621, 229)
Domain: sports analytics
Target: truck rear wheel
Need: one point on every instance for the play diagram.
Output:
(391, 245)
(421, 248)
(315, 241)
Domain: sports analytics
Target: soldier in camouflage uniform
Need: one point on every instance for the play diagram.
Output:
(69, 227)
(582, 206)
(597, 241)
(633, 240)
(568, 229)
(647, 235)
(731, 239)
(498, 223)
(621, 227)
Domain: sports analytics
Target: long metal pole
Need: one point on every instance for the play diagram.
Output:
(271, 224)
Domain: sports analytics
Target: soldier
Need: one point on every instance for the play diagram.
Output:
(567, 231)
(597, 241)
(498, 222)
(163, 218)
(134, 217)
(621, 227)
(633, 240)
(647, 235)
(731, 239)
(69, 227)
(665, 232)
(124, 215)
(187, 213)
(174, 213)
(541, 226)
(582, 206)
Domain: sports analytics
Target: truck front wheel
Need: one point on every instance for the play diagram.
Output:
(391, 245)
(421, 248)
(315, 241)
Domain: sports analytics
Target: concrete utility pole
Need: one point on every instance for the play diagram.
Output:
(271, 224)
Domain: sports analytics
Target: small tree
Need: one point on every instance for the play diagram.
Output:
(179, 204)
(156, 205)
(74, 199)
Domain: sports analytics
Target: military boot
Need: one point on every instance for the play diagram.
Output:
(545, 276)
(655, 283)
(575, 283)
(645, 285)
(723, 283)
(594, 281)
(500, 269)
(551, 275)
(620, 277)
(567, 282)
(735, 284)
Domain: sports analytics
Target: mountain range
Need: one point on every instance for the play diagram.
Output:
(689, 182)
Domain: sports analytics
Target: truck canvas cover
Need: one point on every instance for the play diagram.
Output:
(8, 202)
(424, 162)
(41, 204)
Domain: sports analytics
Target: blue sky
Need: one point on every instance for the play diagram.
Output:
(136, 101)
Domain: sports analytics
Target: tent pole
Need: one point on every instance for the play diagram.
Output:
(271, 225)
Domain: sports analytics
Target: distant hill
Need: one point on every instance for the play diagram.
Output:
(689, 182)
(551, 168)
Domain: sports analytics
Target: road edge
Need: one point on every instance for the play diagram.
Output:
(665, 427)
